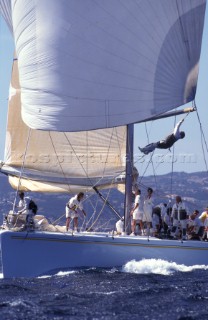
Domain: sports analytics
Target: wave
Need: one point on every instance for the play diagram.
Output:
(81, 271)
(158, 266)
(145, 266)
(58, 274)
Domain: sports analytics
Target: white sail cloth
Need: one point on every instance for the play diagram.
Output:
(95, 64)
(60, 161)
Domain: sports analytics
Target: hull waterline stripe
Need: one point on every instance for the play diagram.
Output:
(111, 243)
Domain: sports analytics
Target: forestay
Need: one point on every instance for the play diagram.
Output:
(95, 64)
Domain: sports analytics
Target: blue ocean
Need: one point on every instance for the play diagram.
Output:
(149, 290)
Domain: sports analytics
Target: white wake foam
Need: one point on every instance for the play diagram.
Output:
(65, 273)
(158, 266)
(59, 274)
(1, 276)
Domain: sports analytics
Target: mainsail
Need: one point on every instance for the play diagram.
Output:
(95, 64)
(60, 161)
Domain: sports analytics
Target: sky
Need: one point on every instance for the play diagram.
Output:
(188, 154)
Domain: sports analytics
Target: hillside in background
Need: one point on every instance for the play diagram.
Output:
(192, 187)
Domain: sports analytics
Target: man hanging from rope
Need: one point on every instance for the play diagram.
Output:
(167, 142)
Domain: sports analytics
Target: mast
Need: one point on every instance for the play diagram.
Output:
(128, 182)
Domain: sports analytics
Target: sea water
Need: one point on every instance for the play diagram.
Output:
(148, 289)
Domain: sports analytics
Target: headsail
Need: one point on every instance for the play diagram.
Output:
(60, 161)
(95, 64)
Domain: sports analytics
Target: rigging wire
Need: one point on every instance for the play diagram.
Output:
(21, 171)
(203, 139)
(89, 179)
(92, 217)
(173, 155)
(59, 161)
(151, 158)
(172, 165)
(103, 206)
(86, 173)
(114, 130)
(104, 225)
(146, 167)
(151, 161)
(23, 165)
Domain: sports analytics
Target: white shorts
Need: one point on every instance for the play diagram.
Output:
(147, 217)
(70, 213)
(137, 215)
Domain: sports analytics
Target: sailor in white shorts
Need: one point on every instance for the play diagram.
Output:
(72, 208)
(137, 212)
(148, 207)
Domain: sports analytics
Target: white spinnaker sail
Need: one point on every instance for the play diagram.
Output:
(88, 64)
(60, 161)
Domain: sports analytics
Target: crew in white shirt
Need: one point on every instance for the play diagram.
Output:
(72, 208)
(137, 212)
